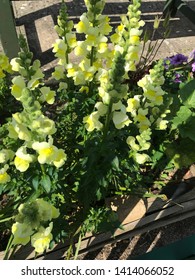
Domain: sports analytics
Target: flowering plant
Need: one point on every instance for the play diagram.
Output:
(105, 128)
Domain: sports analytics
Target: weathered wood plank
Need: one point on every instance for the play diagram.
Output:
(8, 35)
(149, 222)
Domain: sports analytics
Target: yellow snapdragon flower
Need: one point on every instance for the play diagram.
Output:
(84, 25)
(131, 142)
(101, 108)
(4, 65)
(35, 79)
(4, 176)
(49, 154)
(71, 40)
(22, 233)
(60, 48)
(92, 122)
(15, 65)
(142, 119)
(104, 26)
(81, 49)
(5, 155)
(161, 124)
(18, 86)
(141, 158)
(133, 104)
(48, 95)
(22, 160)
(41, 240)
(120, 119)
(17, 129)
(43, 126)
(58, 74)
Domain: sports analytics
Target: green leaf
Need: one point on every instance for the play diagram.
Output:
(188, 130)
(35, 182)
(115, 164)
(183, 115)
(181, 154)
(187, 94)
(46, 183)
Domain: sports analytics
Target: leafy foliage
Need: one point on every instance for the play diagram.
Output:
(111, 125)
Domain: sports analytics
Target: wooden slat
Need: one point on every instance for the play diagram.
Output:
(173, 213)
(8, 35)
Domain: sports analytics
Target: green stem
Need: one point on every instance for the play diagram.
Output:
(69, 252)
(92, 56)
(9, 245)
(5, 220)
(42, 169)
(78, 247)
(108, 119)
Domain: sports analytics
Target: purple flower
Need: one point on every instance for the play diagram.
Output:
(178, 59)
(193, 67)
(177, 76)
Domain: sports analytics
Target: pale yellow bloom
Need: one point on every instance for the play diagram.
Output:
(120, 119)
(43, 126)
(71, 40)
(18, 86)
(4, 176)
(60, 48)
(60, 158)
(35, 79)
(49, 154)
(48, 95)
(131, 142)
(133, 104)
(58, 73)
(92, 122)
(81, 49)
(41, 240)
(5, 155)
(102, 108)
(161, 124)
(83, 25)
(18, 128)
(15, 65)
(22, 160)
(141, 158)
(22, 233)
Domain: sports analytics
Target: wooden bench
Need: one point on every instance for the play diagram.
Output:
(172, 6)
(8, 34)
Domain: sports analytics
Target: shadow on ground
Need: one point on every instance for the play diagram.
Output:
(181, 27)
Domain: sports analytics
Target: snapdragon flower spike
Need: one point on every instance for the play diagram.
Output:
(139, 144)
(127, 36)
(146, 112)
(65, 44)
(31, 125)
(94, 49)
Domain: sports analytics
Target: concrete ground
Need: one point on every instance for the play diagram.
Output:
(36, 20)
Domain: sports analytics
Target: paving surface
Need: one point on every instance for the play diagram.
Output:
(36, 20)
